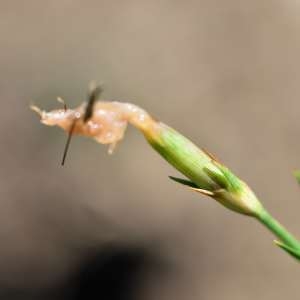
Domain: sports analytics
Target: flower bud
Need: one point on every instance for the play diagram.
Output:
(207, 175)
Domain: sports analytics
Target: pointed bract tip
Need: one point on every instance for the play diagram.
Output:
(292, 251)
(192, 186)
(203, 192)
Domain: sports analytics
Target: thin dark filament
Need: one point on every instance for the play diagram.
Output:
(94, 95)
(68, 142)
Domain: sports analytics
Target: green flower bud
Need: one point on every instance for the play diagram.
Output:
(207, 175)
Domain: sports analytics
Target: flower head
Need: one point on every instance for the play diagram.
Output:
(107, 123)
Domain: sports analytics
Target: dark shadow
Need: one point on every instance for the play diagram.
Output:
(112, 273)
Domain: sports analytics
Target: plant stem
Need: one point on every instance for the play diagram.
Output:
(274, 226)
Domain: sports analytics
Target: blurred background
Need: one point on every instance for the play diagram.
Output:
(224, 73)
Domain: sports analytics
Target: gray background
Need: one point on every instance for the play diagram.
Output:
(224, 73)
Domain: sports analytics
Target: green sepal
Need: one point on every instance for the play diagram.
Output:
(217, 177)
(184, 182)
(233, 181)
(293, 252)
(225, 178)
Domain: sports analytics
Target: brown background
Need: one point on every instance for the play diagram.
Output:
(224, 73)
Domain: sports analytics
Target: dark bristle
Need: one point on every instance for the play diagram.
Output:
(93, 96)
(68, 142)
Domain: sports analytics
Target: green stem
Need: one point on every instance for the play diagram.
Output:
(274, 226)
